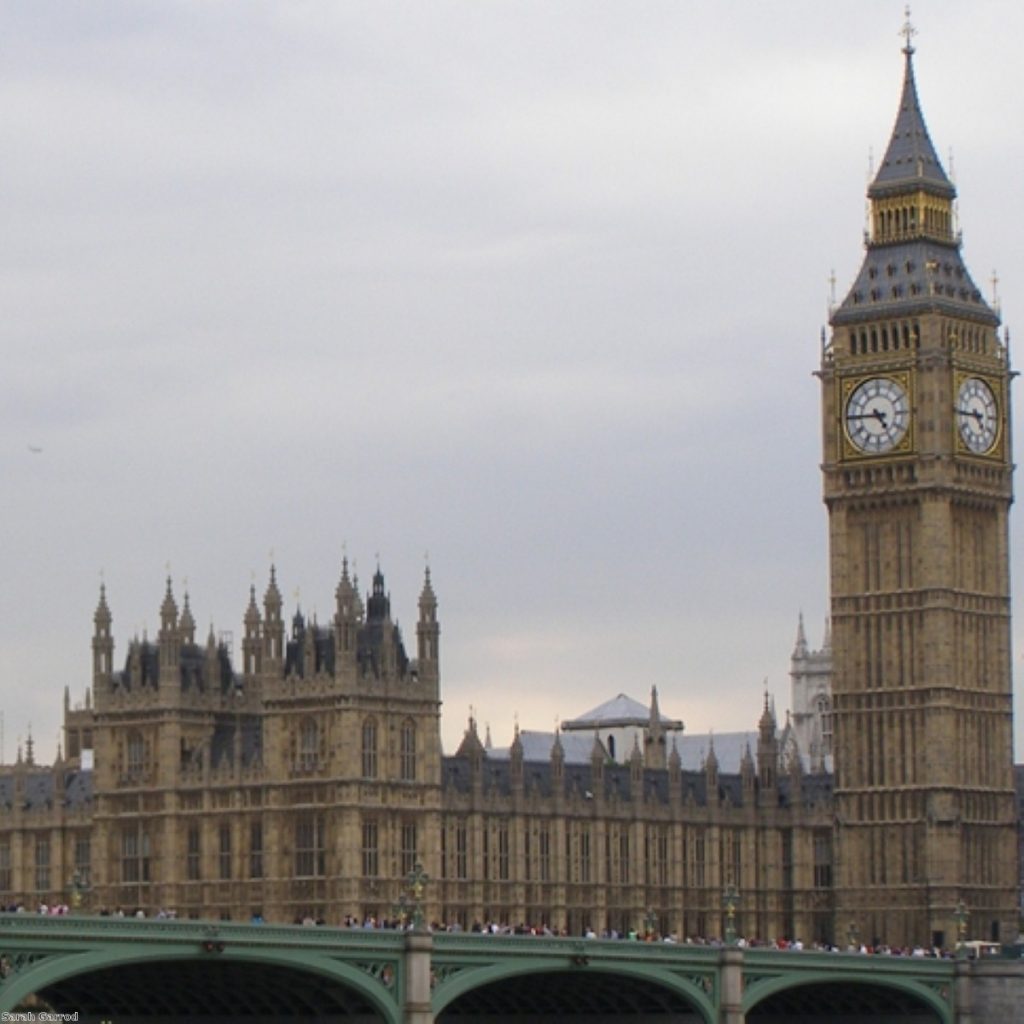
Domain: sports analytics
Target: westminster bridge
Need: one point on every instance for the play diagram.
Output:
(119, 970)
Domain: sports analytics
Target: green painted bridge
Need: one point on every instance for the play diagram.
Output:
(121, 970)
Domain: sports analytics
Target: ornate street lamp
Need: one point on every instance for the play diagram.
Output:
(415, 886)
(730, 897)
(961, 915)
(650, 922)
(79, 890)
(854, 936)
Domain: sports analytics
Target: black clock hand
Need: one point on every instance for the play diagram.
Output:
(871, 414)
(979, 416)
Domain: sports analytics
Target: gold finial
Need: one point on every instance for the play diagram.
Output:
(908, 31)
(832, 289)
(995, 290)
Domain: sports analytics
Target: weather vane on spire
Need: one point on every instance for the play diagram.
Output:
(908, 31)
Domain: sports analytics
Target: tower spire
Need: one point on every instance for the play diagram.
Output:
(910, 157)
(913, 262)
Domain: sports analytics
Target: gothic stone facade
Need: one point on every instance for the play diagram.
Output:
(310, 782)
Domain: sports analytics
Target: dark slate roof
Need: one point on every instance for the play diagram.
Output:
(193, 666)
(370, 639)
(195, 672)
(78, 788)
(323, 648)
(457, 776)
(910, 160)
(907, 278)
(39, 789)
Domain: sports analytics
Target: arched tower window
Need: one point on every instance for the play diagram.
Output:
(370, 748)
(823, 709)
(407, 752)
(136, 753)
(309, 743)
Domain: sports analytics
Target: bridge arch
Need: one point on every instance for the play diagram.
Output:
(624, 982)
(332, 976)
(782, 998)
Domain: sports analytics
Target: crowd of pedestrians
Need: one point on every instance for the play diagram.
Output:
(496, 928)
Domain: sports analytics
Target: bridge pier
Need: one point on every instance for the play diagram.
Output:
(962, 992)
(731, 1007)
(419, 949)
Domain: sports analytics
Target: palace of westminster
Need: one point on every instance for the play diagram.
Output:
(307, 779)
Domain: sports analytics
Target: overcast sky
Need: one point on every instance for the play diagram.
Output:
(534, 287)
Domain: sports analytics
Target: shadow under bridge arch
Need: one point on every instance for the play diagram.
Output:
(846, 1001)
(598, 994)
(219, 987)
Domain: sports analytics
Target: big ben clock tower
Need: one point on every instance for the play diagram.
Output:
(918, 485)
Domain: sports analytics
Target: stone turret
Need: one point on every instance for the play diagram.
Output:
(427, 635)
(711, 772)
(767, 752)
(169, 642)
(273, 627)
(347, 617)
(186, 624)
(654, 736)
(102, 644)
(251, 648)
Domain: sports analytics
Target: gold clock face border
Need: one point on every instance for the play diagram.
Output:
(960, 447)
(850, 452)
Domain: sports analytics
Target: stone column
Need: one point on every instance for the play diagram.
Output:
(419, 946)
(962, 993)
(731, 981)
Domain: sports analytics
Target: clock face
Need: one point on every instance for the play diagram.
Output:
(976, 415)
(877, 415)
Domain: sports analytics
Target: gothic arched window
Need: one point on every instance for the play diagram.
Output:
(136, 753)
(309, 743)
(407, 752)
(370, 748)
(823, 709)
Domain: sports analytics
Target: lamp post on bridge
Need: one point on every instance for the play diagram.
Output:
(961, 915)
(415, 886)
(730, 897)
(79, 890)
